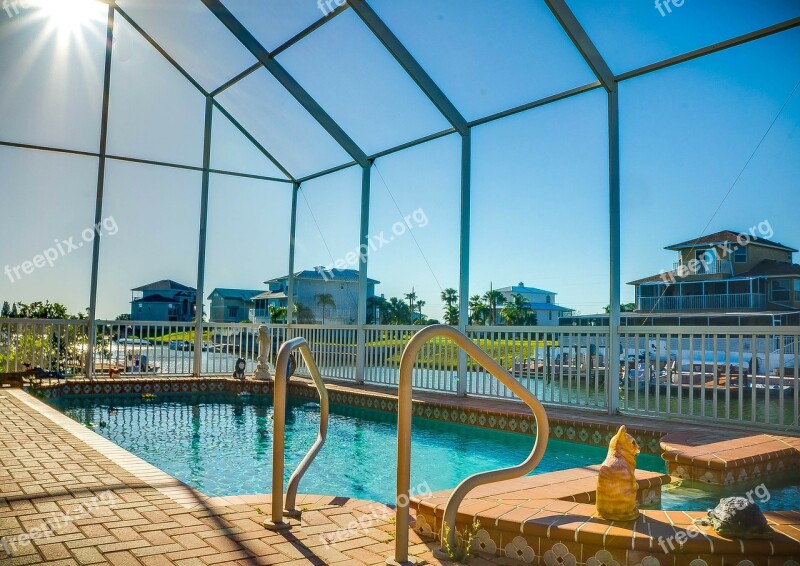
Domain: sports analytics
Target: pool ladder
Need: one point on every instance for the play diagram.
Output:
(286, 507)
(404, 411)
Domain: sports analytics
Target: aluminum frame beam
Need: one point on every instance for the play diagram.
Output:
(396, 48)
(292, 248)
(582, 42)
(464, 253)
(202, 236)
(98, 209)
(363, 279)
(286, 80)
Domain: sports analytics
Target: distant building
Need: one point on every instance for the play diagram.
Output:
(163, 301)
(231, 305)
(540, 301)
(726, 272)
(310, 284)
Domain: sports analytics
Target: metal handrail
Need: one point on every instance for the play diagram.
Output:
(404, 413)
(278, 445)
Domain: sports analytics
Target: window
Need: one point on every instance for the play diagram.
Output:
(740, 254)
(547, 299)
(780, 290)
(797, 290)
(233, 312)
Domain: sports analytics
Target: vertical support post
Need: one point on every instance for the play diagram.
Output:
(363, 282)
(201, 253)
(290, 281)
(98, 208)
(612, 351)
(463, 280)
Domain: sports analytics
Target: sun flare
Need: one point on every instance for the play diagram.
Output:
(70, 16)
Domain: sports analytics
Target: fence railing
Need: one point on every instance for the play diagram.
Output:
(735, 374)
(704, 302)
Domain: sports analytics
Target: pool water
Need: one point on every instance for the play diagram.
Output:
(222, 444)
(781, 494)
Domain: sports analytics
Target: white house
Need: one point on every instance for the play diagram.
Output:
(310, 284)
(540, 301)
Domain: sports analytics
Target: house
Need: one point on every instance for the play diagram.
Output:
(726, 272)
(231, 305)
(163, 300)
(309, 285)
(540, 301)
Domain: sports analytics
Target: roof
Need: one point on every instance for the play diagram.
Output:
(241, 294)
(155, 299)
(515, 289)
(330, 275)
(270, 295)
(164, 285)
(548, 307)
(772, 268)
(658, 277)
(727, 237)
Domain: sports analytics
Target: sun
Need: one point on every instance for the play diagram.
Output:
(67, 17)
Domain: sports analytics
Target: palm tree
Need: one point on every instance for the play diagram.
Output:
(411, 297)
(451, 315)
(516, 311)
(479, 312)
(494, 298)
(420, 303)
(450, 296)
(325, 300)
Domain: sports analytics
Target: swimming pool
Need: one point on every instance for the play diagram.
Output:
(222, 444)
(780, 494)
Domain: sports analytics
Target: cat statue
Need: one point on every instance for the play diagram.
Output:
(616, 483)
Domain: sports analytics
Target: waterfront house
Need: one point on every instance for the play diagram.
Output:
(724, 273)
(310, 285)
(540, 301)
(231, 305)
(163, 300)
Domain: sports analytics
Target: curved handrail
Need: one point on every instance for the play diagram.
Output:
(278, 443)
(404, 413)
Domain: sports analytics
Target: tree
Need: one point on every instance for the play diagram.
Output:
(494, 298)
(478, 309)
(124, 316)
(325, 300)
(304, 314)
(14, 311)
(277, 314)
(376, 310)
(626, 307)
(411, 297)
(6, 311)
(449, 296)
(451, 315)
(420, 303)
(515, 312)
(398, 312)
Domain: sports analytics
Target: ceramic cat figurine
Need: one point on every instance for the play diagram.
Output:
(616, 483)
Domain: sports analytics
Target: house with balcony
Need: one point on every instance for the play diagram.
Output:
(231, 305)
(725, 272)
(309, 286)
(163, 301)
(540, 301)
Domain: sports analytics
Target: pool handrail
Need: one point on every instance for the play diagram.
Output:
(279, 508)
(404, 414)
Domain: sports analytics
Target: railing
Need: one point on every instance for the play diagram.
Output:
(276, 522)
(704, 302)
(699, 267)
(53, 345)
(742, 375)
(404, 414)
(563, 366)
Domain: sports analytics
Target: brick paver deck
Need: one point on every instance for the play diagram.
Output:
(57, 479)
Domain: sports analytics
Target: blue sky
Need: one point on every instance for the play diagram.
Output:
(540, 183)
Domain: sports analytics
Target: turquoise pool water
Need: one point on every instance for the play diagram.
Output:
(222, 445)
(782, 493)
